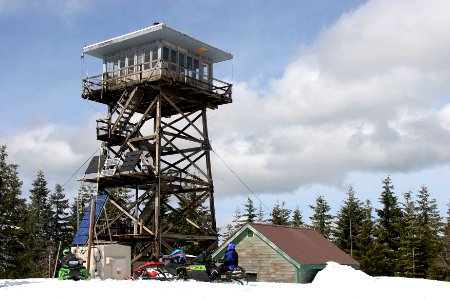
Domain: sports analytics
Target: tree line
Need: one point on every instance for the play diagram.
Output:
(402, 238)
(399, 239)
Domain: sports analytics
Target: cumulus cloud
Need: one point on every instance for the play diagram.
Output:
(56, 150)
(364, 96)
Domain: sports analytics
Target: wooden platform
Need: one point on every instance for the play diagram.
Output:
(188, 94)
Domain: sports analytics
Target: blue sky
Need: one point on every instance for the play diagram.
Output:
(326, 93)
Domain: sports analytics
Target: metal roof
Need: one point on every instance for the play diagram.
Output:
(305, 246)
(153, 33)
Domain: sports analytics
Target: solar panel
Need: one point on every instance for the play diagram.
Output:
(82, 235)
(130, 161)
(93, 165)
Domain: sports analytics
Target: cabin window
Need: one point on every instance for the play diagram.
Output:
(123, 71)
(115, 60)
(173, 60)
(165, 53)
(147, 59)
(139, 60)
(205, 71)
(197, 68)
(130, 62)
(249, 233)
(181, 59)
(189, 66)
(154, 54)
(252, 276)
(109, 67)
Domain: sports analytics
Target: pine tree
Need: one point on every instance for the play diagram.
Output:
(280, 214)
(42, 224)
(297, 219)
(348, 224)
(229, 232)
(200, 216)
(387, 231)
(429, 229)
(235, 225)
(249, 211)
(408, 238)
(238, 221)
(80, 204)
(63, 231)
(260, 215)
(444, 257)
(364, 241)
(321, 219)
(13, 215)
(122, 197)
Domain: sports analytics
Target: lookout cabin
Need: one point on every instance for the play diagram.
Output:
(154, 54)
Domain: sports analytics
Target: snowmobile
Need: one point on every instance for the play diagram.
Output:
(203, 266)
(198, 270)
(73, 269)
(151, 270)
(237, 275)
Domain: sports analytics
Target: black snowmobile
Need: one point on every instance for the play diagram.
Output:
(201, 268)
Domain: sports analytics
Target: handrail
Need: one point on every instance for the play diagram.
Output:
(137, 74)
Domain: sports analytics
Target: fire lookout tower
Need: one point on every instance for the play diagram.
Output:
(157, 84)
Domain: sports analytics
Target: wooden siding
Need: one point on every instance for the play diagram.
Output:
(257, 257)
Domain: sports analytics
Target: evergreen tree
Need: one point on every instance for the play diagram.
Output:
(387, 230)
(81, 203)
(429, 229)
(122, 197)
(321, 219)
(297, 219)
(444, 257)
(280, 214)
(42, 217)
(408, 239)
(250, 211)
(364, 241)
(13, 215)
(229, 232)
(197, 218)
(260, 215)
(235, 225)
(238, 220)
(62, 230)
(349, 223)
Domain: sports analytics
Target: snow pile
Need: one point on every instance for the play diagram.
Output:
(339, 275)
(343, 282)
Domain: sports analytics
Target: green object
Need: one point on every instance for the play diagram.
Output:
(196, 267)
(74, 274)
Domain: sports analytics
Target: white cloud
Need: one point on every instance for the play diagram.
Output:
(55, 149)
(363, 97)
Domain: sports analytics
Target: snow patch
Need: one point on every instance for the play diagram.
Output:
(340, 275)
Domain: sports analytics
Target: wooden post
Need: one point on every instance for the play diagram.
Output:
(209, 172)
(91, 229)
(56, 259)
(158, 176)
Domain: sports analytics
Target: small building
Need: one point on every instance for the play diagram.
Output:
(110, 261)
(274, 253)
